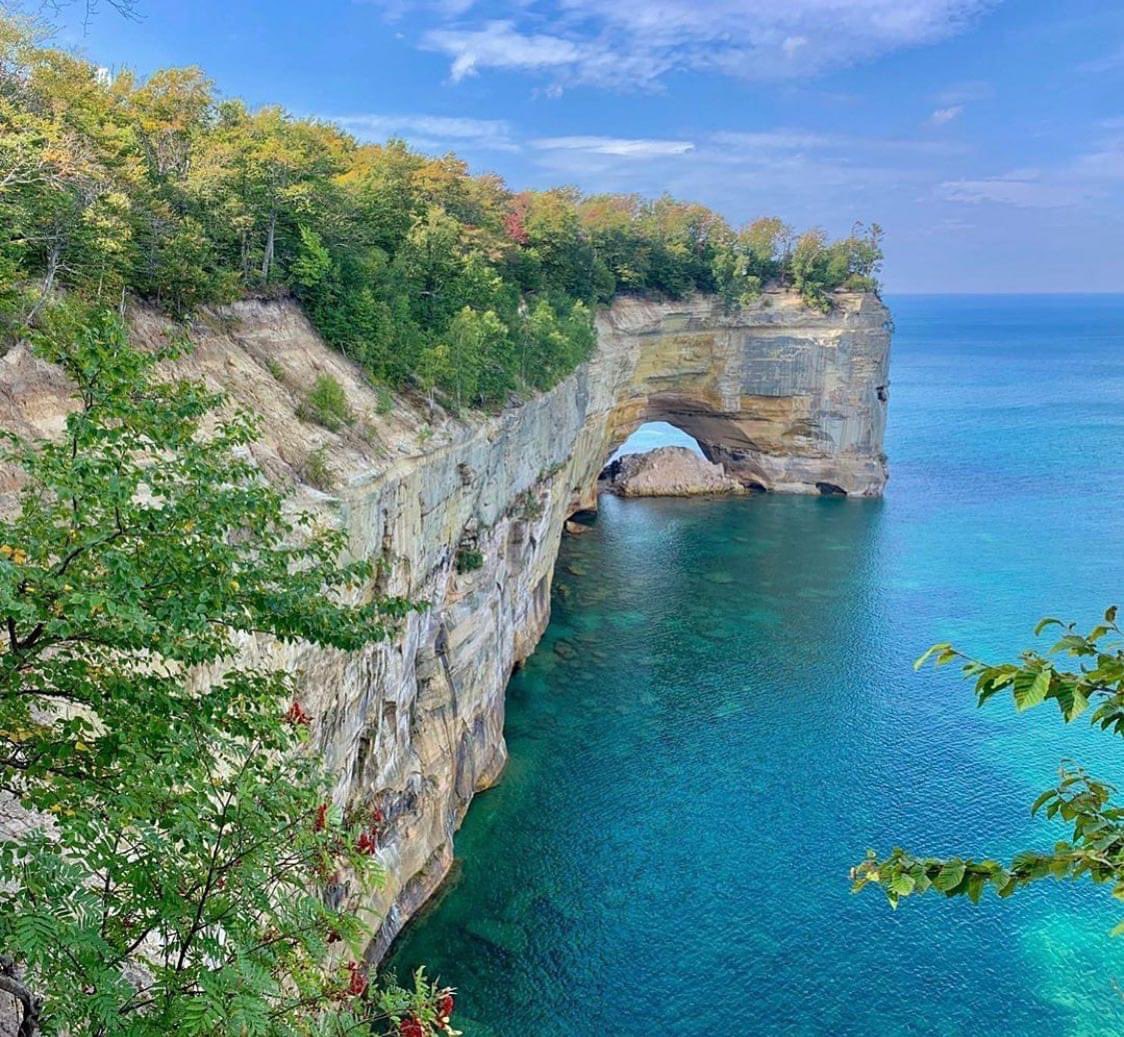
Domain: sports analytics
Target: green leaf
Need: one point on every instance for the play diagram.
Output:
(1031, 689)
(902, 884)
(950, 876)
(929, 652)
(1042, 800)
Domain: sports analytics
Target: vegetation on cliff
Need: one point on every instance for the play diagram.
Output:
(1095, 849)
(423, 273)
(178, 865)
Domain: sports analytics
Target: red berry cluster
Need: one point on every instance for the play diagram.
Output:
(297, 716)
(321, 821)
(368, 842)
(413, 1026)
(357, 981)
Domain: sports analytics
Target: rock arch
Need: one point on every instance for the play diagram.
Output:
(786, 398)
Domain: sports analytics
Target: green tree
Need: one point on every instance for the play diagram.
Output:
(1095, 849)
(475, 342)
(435, 369)
(183, 869)
(154, 188)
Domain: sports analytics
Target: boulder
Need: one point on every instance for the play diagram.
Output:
(669, 471)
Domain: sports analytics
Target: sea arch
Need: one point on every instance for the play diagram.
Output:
(786, 398)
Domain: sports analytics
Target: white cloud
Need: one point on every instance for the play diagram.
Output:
(635, 43)
(431, 132)
(942, 116)
(617, 146)
(499, 44)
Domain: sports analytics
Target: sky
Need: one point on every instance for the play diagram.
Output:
(985, 136)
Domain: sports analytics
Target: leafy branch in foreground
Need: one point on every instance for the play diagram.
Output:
(176, 864)
(1096, 848)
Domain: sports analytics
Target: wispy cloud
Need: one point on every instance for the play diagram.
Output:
(964, 91)
(771, 142)
(791, 170)
(431, 132)
(1024, 189)
(1105, 63)
(943, 116)
(1092, 174)
(636, 43)
(498, 44)
(617, 146)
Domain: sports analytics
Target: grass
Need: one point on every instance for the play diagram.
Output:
(316, 471)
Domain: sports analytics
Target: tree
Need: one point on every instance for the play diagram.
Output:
(1095, 849)
(183, 868)
(273, 166)
(152, 187)
(474, 340)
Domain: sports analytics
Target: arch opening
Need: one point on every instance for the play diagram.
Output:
(652, 432)
(655, 434)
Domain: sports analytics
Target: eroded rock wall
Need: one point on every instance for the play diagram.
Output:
(786, 398)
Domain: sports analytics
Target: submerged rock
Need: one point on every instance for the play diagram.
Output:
(504, 936)
(670, 471)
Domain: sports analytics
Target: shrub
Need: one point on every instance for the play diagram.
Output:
(193, 842)
(316, 471)
(469, 559)
(326, 404)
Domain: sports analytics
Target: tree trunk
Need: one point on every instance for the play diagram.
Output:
(53, 260)
(267, 259)
(31, 1005)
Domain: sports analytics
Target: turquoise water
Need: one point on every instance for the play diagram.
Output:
(723, 716)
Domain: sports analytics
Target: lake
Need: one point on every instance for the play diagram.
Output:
(723, 716)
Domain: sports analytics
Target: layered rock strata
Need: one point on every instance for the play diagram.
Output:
(784, 398)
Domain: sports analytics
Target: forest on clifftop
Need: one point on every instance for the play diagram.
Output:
(424, 273)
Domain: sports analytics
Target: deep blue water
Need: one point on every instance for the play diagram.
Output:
(723, 716)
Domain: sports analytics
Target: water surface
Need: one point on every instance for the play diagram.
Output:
(722, 716)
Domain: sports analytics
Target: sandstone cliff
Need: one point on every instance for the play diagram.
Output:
(785, 398)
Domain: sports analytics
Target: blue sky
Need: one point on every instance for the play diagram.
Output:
(986, 136)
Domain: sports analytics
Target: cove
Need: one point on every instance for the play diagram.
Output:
(722, 716)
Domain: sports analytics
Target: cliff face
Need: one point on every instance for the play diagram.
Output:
(787, 399)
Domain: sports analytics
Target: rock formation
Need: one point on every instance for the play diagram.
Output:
(669, 471)
(785, 398)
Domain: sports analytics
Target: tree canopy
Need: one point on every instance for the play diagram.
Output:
(409, 264)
